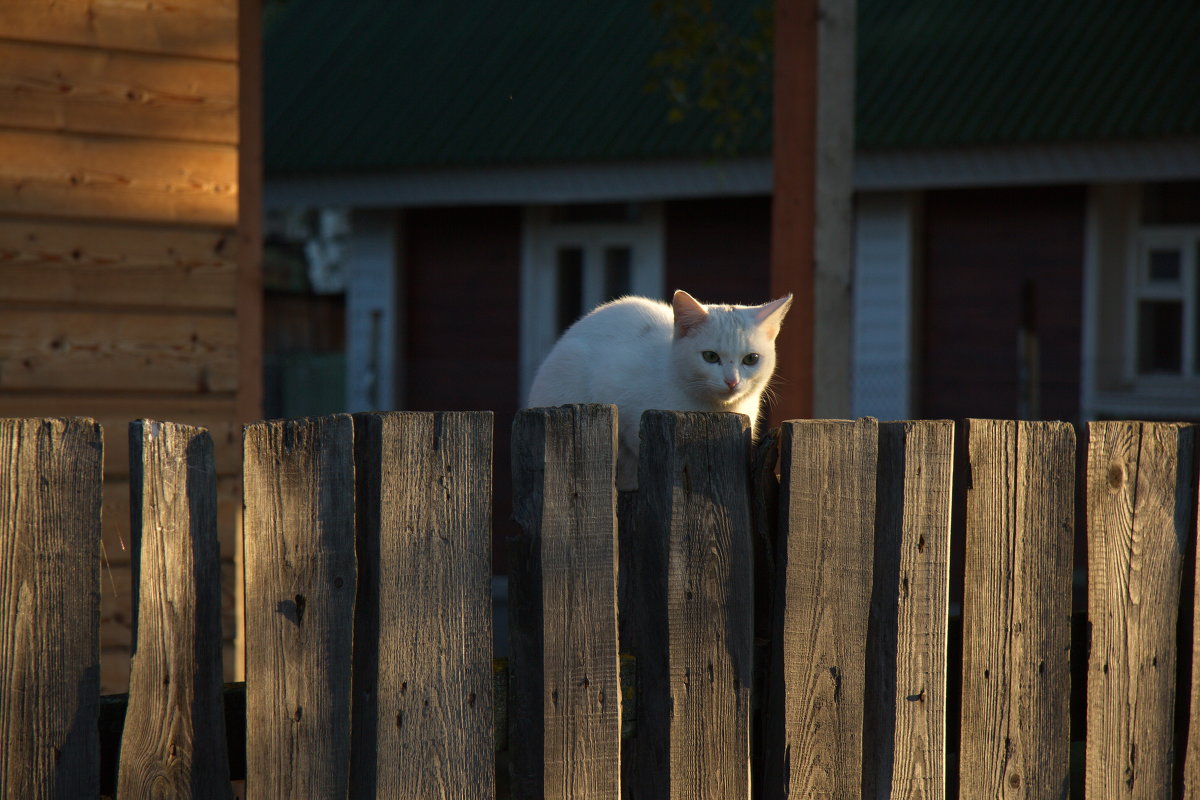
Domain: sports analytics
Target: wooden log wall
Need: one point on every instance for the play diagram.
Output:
(129, 195)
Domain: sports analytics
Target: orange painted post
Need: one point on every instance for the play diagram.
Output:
(793, 207)
(812, 225)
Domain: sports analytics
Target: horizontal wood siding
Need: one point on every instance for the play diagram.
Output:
(981, 248)
(107, 265)
(205, 28)
(124, 250)
(65, 88)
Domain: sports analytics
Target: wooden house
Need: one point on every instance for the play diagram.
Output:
(129, 216)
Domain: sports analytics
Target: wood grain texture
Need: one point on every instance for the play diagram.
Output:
(114, 412)
(423, 635)
(1017, 609)
(67, 88)
(117, 265)
(173, 744)
(299, 590)
(204, 28)
(814, 736)
(117, 535)
(564, 497)
(904, 744)
(1141, 487)
(50, 477)
(117, 178)
(693, 487)
(118, 351)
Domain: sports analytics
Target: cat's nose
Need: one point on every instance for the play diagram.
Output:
(732, 382)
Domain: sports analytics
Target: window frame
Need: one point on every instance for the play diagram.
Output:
(1144, 240)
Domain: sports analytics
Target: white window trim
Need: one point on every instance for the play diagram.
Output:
(1128, 394)
(1187, 238)
(540, 241)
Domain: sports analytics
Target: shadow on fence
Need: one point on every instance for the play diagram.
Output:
(776, 637)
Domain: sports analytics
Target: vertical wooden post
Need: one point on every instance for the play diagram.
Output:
(423, 631)
(812, 223)
(1017, 609)
(823, 597)
(694, 507)
(50, 477)
(300, 584)
(566, 721)
(174, 736)
(904, 736)
(1141, 490)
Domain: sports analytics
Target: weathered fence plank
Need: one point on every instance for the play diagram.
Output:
(174, 737)
(904, 736)
(823, 596)
(50, 476)
(423, 633)
(300, 585)
(566, 721)
(694, 506)
(1141, 487)
(1017, 610)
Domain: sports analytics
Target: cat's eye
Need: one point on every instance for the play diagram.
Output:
(711, 357)
(750, 360)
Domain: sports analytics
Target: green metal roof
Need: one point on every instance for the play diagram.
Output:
(377, 85)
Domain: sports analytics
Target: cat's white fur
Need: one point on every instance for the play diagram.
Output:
(642, 354)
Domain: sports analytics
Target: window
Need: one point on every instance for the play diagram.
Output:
(1164, 306)
(577, 257)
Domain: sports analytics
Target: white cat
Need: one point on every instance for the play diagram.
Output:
(643, 354)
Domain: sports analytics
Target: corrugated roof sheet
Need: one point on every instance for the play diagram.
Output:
(375, 85)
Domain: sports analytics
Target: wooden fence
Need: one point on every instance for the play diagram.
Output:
(792, 638)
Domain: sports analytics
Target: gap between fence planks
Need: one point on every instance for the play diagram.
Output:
(1141, 483)
(814, 736)
(300, 585)
(50, 478)
(565, 705)
(174, 735)
(423, 629)
(904, 727)
(1017, 610)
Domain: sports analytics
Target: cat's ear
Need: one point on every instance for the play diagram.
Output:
(770, 315)
(688, 312)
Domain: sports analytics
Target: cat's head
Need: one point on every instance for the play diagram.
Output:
(722, 354)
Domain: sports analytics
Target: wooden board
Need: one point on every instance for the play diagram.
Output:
(423, 721)
(206, 28)
(117, 265)
(118, 178)
(50, 473)
(692, 483)
(814, 736)
(1141, 489)
(1017, 609)
(300, 584)
(71, 89)
(114, 412)
(117, 539)
(174, 737)
(118, 351)
(564, 497)
(904, 745)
